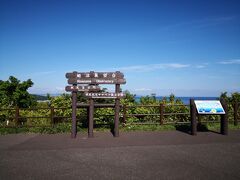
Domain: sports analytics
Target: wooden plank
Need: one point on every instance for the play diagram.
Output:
(82, 88)
(104, 95)
(92, 74)
(96, 81)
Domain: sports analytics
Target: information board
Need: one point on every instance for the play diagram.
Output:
(209, 107)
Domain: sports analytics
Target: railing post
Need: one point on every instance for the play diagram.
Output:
(161, 113)
(235, 111)
(124, 114)
(87, 120)
(193, 118)
(224, 118)
(52, 115)
(17, 115)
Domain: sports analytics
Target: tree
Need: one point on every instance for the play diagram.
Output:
(148, 100)
(129, 99)
(64, 100)
(235, 97)
(225, 96)
(172, 98)
(14, 93)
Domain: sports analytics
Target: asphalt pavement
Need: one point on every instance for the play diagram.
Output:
(133, 155)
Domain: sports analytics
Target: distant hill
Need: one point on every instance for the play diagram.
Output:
(40, 97)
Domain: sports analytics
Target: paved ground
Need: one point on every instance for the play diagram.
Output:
(134, 155)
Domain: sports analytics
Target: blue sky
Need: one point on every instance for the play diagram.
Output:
(189, 48)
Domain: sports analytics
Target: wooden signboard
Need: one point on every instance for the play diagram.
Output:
(96, 81)
(105, 95)
(96, 78)
(92, 74)
(82, 88)
(92, 79)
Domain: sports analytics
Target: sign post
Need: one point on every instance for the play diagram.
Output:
(117, 109)
(224, 118)
(74, 114)
(193, 117)
(90, 116)
(209, 107)
(90, 81)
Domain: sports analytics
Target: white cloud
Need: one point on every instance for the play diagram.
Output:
(142, 89)
(153, 67)
(60, 89)
(200, 66)
(232, 61)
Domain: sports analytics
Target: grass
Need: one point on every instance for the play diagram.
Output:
(216, 126)
(66, 128)
(147, 128)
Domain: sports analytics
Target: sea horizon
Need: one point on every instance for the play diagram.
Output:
(184, 99)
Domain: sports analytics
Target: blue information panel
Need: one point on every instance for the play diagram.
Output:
(209, 107)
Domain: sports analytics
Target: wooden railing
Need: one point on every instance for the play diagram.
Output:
(160, 111)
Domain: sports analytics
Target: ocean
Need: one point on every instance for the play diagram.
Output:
(185, 100)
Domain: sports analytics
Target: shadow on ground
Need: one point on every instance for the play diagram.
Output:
(185, 128)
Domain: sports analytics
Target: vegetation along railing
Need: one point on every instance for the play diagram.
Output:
(130, 114)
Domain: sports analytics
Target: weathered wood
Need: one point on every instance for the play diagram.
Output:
(161, 113)
(117, 109)
(92, 74)
(74, 114)
(193, 117)
(82, 88)
(235, 113)
(224, 118)
(104, 95)
(94, 78)
(52, 115)
(96, 81)
(80, 105)
(90, 118)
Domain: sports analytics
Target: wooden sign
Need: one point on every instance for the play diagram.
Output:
(96, 78)
(91, 90)
(82, 88)
(96, 81)
(105, 95)
(92, 74)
